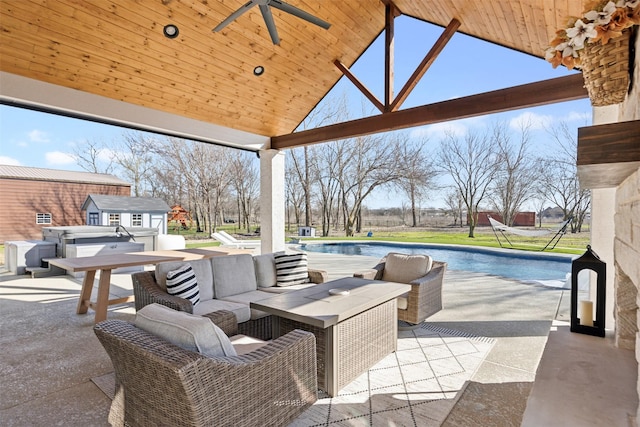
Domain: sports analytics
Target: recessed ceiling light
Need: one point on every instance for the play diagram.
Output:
(258, 71)
(170, 31)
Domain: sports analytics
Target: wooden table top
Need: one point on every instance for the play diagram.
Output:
(110, 262)
(198, 253)
(113, 261)
(315, 306)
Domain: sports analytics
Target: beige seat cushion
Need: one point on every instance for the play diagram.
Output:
(403, 268)
(191, 332)
(249, 297)
(242, 312)
(403, 302)
(244, 344)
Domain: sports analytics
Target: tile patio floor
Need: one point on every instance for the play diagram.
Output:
(48, 353)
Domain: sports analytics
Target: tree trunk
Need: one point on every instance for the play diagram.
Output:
(413, 208)
(307, 189)
(472, 223)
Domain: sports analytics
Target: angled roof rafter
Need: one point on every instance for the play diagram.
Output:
(560, 89)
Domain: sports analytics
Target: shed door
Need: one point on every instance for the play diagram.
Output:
(157, 221)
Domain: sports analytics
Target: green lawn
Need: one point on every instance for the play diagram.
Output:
(570, 243)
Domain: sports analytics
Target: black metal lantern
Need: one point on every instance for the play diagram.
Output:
(586, 324)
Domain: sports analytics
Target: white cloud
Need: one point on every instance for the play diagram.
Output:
(38, 136)
(59, 158)
(533, 120)
(106, 155)
(5, 160)
(438, 131)
(574, 116)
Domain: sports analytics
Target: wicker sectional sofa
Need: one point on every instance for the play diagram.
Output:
(225, 283)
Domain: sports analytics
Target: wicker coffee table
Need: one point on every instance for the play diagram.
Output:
(353, 331)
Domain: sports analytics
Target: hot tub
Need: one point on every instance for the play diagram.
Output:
(98, 234)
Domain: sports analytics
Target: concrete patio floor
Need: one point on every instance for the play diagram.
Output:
(48, 354)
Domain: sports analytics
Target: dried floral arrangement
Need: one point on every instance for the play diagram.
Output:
(601, 22)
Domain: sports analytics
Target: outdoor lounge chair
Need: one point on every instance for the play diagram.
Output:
(159, 383)
(230, 241)
(425, 277)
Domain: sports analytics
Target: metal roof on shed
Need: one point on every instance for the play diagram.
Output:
(127, 204)
(42, 174)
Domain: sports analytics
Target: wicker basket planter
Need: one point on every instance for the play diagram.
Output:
(605, 69)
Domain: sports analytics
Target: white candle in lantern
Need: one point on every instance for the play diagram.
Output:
(586, 313)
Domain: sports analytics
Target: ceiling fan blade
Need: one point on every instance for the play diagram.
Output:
(299, 13)
(234, 15)
(271, 25)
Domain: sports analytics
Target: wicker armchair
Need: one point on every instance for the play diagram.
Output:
(425, 297)
(158, 383)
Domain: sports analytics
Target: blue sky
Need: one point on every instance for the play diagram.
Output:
(466, 66)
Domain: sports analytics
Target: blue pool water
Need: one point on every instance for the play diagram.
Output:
(515, 265)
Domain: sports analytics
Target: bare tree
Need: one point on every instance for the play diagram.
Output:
(135, 156)
(472, 163)
(94, 156)
(367, 162)
(455, 205)
(416, 172)
(294, 189)
(206, 170)
(246, 185)
(559, 180)
(324, 171)
(514, 183)
(539, 201)
(303, 163)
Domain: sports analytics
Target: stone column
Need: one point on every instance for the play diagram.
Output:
(272, 207)
(603, 225)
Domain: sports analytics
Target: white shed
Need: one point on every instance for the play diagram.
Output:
(130, 212)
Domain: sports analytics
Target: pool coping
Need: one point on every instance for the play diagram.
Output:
(520, 253)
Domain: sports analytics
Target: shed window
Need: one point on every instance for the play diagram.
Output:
(136, 220)
(114, 219)
(43, 218)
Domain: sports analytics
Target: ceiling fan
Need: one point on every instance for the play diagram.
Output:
(265, 9)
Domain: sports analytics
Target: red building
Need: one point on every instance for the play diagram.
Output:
(32, 198)
(522, 219)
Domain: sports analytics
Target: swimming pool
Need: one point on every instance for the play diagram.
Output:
(515, 265)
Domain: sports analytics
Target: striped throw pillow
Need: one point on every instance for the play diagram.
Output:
(182, 283)
(291, 269)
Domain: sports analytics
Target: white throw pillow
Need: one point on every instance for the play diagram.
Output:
(291, 269)
(191, 332)
(182, 283)
(403, 268)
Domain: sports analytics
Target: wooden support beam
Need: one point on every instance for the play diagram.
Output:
(610, 143)
(561, 89)
(425, 64)
(366, 92)
(388, 55)
(608, 154)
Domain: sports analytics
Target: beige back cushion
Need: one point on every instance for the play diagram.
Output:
(202, 269)
(233, 275)
(404, 268)
(191, 332)
(265, 270)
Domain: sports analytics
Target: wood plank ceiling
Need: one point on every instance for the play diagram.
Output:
(116, 49)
